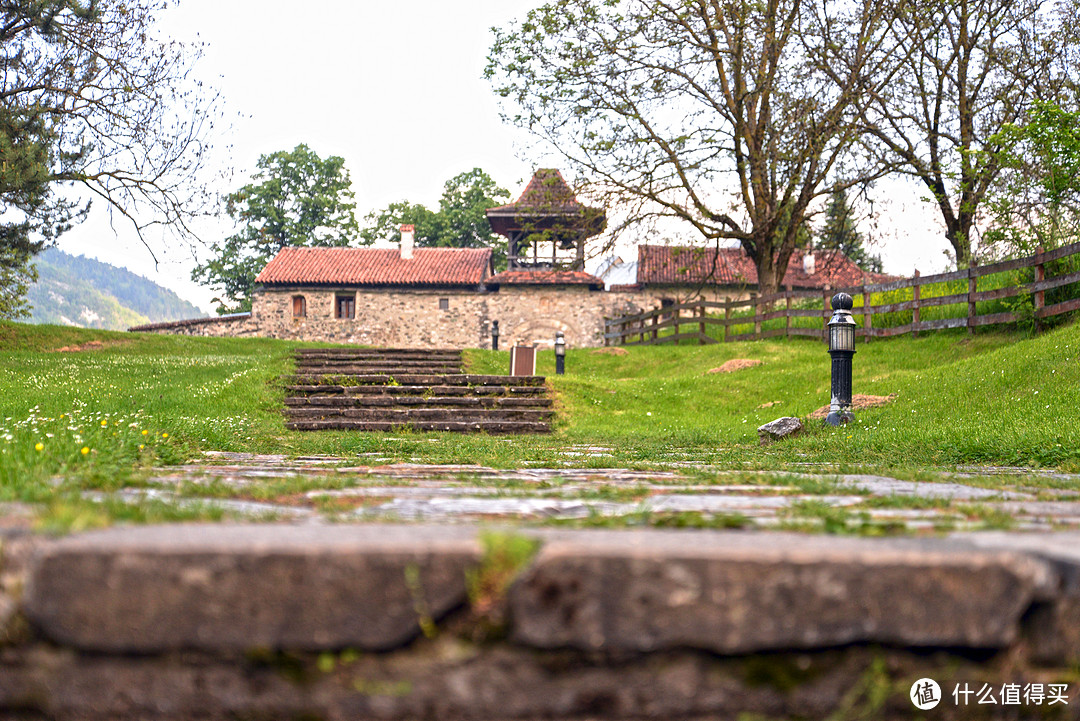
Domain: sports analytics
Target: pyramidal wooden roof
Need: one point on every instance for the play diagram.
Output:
(546, 200)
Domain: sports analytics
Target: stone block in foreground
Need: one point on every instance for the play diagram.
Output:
(736, 593)
(238, 588)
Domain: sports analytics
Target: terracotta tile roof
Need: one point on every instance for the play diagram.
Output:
(377, 266)
(675, 265)
(545, 277)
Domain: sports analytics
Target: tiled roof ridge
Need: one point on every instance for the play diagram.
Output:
(544, 277)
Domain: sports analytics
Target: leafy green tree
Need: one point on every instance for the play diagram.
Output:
(661, 105)
(386, 224)
(840, 233)
(94, 100)
(459, 222)
(964, 71)
(1038, 204)
(296, 199)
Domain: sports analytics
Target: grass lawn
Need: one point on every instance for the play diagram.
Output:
(99, 416)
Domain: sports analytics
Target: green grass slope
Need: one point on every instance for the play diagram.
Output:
(121, 402)
(73, 290)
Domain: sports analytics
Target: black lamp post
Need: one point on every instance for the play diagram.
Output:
(841, 348)
(494, 335)
(560, 353)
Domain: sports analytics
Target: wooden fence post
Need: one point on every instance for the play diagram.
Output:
(971, 301)
(678, 315)
(727, 316)
(701, 324)
(915, 311)
(825, 313)
(757, 316)
(787, 311)
(655, 331)
(1040, 296)
(866, 311)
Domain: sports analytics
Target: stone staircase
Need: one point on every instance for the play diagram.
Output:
(382, 389)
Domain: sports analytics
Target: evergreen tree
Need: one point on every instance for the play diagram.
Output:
(840, 233)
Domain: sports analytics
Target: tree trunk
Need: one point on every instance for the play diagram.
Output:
(768, 273)
(958, 233)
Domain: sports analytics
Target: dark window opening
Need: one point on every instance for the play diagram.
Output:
(346, 306)
(444, 304)
(299, 306)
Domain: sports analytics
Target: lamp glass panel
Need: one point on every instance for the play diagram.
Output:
(846, 338)
(841, 337)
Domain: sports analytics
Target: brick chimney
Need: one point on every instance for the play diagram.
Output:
(408, 240)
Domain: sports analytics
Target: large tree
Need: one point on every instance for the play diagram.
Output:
(664, 104)
(94, 99)
(459, 222)
(967, 70)
(296, 199)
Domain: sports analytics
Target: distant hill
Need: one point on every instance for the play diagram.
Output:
(73, 290)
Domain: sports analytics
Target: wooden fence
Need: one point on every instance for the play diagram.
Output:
(690, 320)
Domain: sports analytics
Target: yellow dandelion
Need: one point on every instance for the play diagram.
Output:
(85, 450)
(164, 435)
(104, 423)
(141, 446)
(146, 433)
(39, 447)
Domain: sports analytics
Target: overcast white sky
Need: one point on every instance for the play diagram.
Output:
(397, 90)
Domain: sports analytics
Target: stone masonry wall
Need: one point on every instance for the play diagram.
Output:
(415, 318)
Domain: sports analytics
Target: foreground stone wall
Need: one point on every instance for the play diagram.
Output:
(421, 622)
(417, 318)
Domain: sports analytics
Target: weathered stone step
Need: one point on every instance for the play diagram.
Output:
(379, 369)
(403, 362)
(203, 621)
(401, 416)
(377, 352)
(452, 379)
(343, 424)
(376, 390)
(389, 401)
(236, 588)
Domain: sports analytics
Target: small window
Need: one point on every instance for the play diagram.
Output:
(345, 306)
(444, 304)
(299, 306)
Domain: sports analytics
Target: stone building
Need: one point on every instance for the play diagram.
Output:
(410, 297)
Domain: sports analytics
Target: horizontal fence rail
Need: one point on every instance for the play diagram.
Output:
(694, 319)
